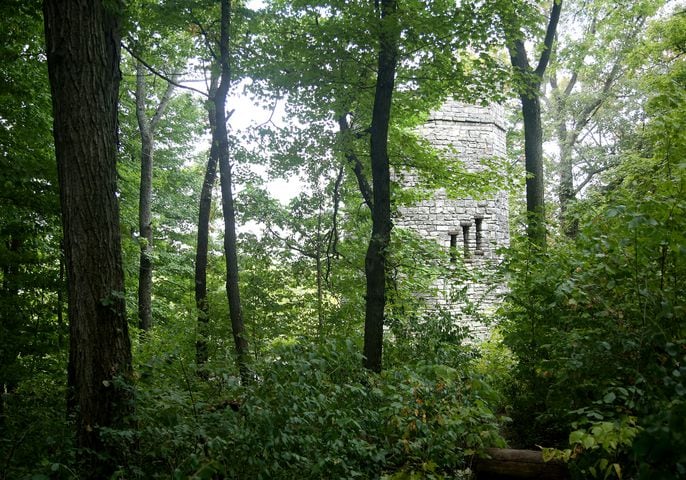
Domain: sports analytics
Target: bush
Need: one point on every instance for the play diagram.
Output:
(597, 325)
(314, 412)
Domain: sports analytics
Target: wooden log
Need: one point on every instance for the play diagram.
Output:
(507, 463)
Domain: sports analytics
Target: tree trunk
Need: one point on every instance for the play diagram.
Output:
(319, 273)
(144, 205)
(83, 44)
(146, 128)
(529, 94)
(505, 463)
(375, 260)
(566, 140)
(221, 138)
(566, 195)
(60, 300)
(201, 303)
(533, 153)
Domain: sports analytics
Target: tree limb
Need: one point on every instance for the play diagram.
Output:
(290, 244)
(571, 84)
(587, 114)
(591, 174)
(518, 56)
(160, 74)
(205, 36)
(363, 184)
(549, 38)
(162, 107)
(331, 247)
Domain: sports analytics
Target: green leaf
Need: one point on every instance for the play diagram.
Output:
(603, 464)
(609, 397)
(576, 436)
(618, 470)
(588, 442)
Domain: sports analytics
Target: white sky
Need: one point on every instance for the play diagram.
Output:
(247, 114)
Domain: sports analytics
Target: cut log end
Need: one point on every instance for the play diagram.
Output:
(505, 463)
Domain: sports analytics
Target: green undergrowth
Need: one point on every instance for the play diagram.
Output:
(598, 326)
(311, 412)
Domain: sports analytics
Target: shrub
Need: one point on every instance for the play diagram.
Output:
(314, 412)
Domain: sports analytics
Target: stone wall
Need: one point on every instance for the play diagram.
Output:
(469, 228)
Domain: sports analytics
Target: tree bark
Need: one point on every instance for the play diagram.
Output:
(566, 193)
(354, 162)
(201, 303)
(504, 463)
(83, 42)
(567, 138)
(375, 260)
(146, 128)
(60, 300)
(529, 94)
(221, 139)
(144, 205)
(533, 154)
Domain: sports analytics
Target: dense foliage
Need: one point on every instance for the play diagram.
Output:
(598, 322)
(588, 359)
(314, 412)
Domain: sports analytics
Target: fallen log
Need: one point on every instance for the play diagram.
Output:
(505, 463)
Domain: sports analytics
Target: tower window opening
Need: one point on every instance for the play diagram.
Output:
(465, 237)
(478, 223)
(453, 247)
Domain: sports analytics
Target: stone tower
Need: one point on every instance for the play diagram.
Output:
(472, 229)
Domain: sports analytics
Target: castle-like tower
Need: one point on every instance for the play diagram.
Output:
(473, 229)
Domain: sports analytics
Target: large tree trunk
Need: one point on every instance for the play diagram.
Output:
(533, 153)
(201, 303)
(83, 43)
(221, 139)
(375, 260)
(144, 205)
(60, 300)
(529, 94)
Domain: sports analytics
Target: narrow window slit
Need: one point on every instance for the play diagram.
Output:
(465, 238)
(453, 247)
(478, 222)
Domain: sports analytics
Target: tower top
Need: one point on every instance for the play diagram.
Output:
(454, 111)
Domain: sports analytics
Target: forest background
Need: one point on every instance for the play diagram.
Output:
(301, 349)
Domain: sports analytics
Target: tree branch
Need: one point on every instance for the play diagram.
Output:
(363, 184)
(571, 84)
(160, 74)
(518, 56)
(205, 36)
(290, 244)
(549, 38)
(331, 247)
(590, 175)
(162, 107)
(271, 116)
